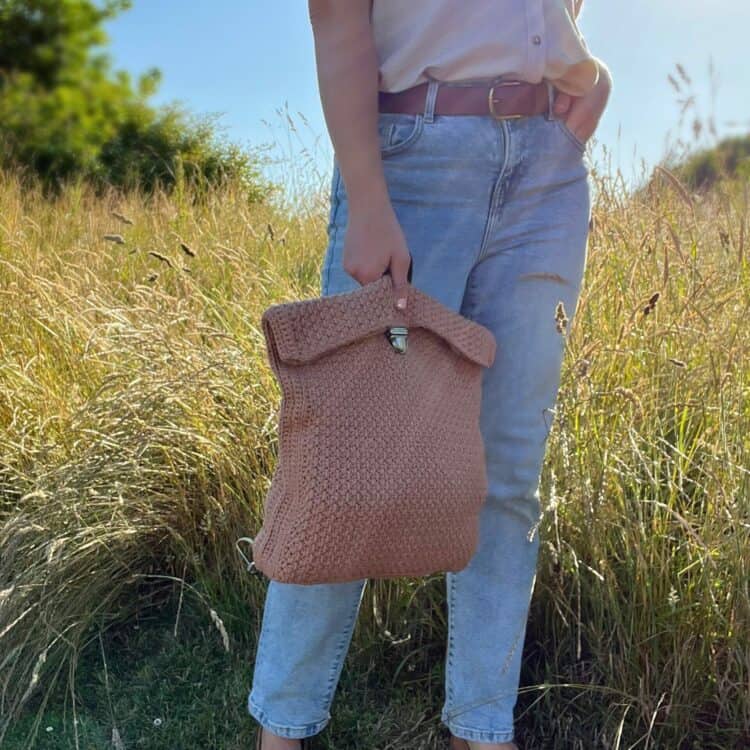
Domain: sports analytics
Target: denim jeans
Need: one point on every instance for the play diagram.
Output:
(496, 216)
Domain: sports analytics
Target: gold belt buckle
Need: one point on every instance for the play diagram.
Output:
(491, 100)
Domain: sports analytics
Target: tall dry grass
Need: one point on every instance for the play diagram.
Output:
(643, 603)
(137, 439)
(136, 412)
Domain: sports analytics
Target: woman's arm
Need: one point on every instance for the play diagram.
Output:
(348, 79)
(582, 113)
(347, 68)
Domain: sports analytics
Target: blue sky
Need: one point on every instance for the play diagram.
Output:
(249, 61)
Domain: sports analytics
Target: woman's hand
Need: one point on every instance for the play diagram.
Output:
(374, 241)
(582, 113)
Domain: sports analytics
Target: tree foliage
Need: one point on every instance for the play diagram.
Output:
(64, 112)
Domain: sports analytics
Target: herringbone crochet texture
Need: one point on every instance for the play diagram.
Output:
(380, 471)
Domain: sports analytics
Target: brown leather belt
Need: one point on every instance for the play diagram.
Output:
(502, 99)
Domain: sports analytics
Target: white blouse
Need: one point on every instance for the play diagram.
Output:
(452, 40)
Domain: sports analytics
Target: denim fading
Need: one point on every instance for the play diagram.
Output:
(495, 215)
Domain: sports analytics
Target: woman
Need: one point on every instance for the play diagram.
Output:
(459, 129)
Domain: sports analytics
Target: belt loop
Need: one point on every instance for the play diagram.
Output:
(429, 104)
(550, 100)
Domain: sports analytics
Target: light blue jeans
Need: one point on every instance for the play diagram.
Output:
(496, 217)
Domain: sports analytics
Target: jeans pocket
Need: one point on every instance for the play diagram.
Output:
(570, 135)
(398, 131)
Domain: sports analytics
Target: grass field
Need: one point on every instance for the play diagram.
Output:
(138, 437)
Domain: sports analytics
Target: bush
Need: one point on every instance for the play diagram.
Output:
(730, 158)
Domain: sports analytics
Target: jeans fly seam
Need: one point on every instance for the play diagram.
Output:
(470, 297)
(498, 190)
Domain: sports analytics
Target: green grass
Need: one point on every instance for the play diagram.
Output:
(165, 690)
(138, 437)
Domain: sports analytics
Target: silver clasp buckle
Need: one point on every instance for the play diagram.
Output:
(397, 335)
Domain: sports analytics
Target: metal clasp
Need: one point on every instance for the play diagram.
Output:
(491, 100)
(397, 335)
